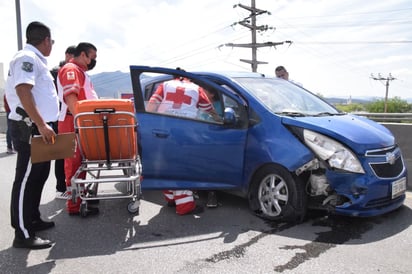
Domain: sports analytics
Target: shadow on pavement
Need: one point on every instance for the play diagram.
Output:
(115, 230)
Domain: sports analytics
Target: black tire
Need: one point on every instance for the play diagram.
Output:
(277, 195)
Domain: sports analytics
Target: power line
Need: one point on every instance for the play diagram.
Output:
(356, 42)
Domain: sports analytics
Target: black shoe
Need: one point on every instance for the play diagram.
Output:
(90, 211)
(197, 210)
(32, 243)
(211, 200)
(39, 225)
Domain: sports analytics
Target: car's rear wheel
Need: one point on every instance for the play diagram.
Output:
(277, 195)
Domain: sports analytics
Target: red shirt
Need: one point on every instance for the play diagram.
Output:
(72, 79)
(6, 105)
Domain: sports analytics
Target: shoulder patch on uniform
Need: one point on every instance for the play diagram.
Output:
(27, 66)
(70, 75)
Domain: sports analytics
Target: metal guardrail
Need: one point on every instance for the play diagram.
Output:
(387, 117)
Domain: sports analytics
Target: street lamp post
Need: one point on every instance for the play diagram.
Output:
(18, 21)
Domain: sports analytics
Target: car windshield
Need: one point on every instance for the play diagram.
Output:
(283, 97)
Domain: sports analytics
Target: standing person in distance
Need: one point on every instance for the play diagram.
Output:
(34, 106)
(281, 72)
(61, 192)
(74, 85)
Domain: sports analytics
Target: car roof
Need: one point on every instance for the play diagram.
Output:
(231, 74)
(211, 73)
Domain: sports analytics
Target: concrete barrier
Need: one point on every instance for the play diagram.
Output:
(402, 132)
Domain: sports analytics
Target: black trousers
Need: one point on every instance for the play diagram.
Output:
(60, 177)
(59, 169)
(28, 182)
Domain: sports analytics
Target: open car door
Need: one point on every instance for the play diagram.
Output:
(188, 153)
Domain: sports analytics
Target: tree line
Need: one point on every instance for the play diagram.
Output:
(394, 105)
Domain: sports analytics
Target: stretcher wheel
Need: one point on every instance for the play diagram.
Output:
(83, 210)
(133, 207)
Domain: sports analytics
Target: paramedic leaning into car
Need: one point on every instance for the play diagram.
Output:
(34, 106)
(74, 85)
(181, 97)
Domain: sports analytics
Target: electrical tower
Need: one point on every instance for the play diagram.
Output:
(387, 79)
(250, 22)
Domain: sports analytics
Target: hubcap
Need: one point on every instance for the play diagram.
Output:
(273, 195)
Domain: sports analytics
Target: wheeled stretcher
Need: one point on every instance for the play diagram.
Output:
(106, 133)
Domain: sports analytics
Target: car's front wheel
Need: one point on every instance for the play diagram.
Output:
(277, 195)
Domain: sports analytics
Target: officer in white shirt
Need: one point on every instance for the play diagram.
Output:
(34, 106)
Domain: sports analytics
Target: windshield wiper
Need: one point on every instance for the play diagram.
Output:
(328, 114)
(291, 113)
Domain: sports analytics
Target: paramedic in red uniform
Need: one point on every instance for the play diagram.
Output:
(74, 85)
(181, 97)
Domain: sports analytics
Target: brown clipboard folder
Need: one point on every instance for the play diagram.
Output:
(63, 147)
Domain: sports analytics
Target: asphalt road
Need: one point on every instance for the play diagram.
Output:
(228, 239)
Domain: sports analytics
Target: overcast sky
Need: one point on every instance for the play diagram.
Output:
(336, 45)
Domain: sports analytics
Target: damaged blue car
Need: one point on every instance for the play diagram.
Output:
(278, 145)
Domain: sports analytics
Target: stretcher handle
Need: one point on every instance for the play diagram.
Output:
(104, 110)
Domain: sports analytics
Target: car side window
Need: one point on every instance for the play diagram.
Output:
(149, 90)
(240, 111)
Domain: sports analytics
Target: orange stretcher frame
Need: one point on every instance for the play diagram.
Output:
(95, 142)
(106, 132)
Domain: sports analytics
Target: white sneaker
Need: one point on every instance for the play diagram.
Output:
(63, 195)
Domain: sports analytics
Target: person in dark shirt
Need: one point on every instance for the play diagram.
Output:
(61, 192)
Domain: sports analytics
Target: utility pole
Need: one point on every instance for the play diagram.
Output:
(387, 79)
(18, 23)
(250, 22)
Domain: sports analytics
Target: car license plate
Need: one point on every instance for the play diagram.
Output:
(398, 187)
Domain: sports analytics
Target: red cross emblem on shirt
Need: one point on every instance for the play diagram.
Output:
(178, 98)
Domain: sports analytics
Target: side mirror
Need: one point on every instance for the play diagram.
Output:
(229, 117)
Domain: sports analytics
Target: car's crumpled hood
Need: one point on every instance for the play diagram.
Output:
(356, 132)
